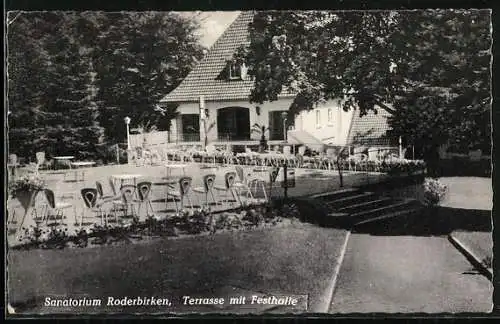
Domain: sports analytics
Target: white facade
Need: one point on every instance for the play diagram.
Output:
(212, 106)
(327, 122)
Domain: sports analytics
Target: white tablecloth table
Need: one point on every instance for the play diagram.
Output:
(64, 158)
(81, 165)
(121, 178)
(175, 166)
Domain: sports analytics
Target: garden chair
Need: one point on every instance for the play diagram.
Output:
(54, 210)
(207, 188)
(155, 157)
(331, 158)
(357, 160)
(291, 160)
(228, 156)
(304, 161)
(13, 164)
(259, 176)
(126, 202)
(90, 200)
(139, 156)
(144, 191)
(34, 168)
(251, 157)
(105, 198)
(229, 180)
(374, 158)
(182, 155)
(241, 185)
(163, 153)
(113, 187)
(211, 153)
(182, 193)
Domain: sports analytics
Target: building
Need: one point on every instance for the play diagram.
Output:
(222, 89)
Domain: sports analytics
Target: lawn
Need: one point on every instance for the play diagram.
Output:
(468, 193)
(295, 260)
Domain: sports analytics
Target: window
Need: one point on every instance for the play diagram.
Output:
(318, 119)
(234, 71)
(330, 116)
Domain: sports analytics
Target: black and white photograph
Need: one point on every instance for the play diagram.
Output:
(248, 162)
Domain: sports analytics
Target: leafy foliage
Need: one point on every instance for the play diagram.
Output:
(26, 183)
(139, 57)
(428, 68)
(73, 77)
(434, 191)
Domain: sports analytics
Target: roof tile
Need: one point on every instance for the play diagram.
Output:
(370, 129)
(201, 81)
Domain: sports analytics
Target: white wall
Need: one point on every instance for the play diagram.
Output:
(333, 131)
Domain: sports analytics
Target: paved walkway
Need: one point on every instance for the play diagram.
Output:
(408, 274)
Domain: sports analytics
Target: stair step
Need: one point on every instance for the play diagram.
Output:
(336, 194)
(373, 213)
(351, 200)
(366, 204)
(399, 213)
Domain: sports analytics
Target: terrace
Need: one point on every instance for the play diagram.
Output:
(162, 170)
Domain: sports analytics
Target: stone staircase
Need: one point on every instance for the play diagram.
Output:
(352, 207)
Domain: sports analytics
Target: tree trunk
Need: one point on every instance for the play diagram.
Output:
(431, 158)
(262, 144)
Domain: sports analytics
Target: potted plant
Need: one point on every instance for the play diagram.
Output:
(25, 189)
(261, 130)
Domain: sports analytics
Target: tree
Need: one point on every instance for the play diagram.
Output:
(56, 113)
(428, 68)
(72, 73)
(139, 57)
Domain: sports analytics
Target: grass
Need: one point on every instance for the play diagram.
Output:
(298, 259)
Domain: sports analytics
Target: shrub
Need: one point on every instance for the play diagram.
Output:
(194, 222)
(434, 192)
(228, 221)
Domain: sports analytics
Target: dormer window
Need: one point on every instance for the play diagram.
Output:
(234, 70)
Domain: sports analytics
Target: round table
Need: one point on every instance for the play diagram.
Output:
(66, 158)
(81, 164)
(174, 166)
(126, 176)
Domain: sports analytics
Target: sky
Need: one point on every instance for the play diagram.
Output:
(213, 24)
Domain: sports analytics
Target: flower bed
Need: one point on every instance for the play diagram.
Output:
(199, 222)
(403, 167)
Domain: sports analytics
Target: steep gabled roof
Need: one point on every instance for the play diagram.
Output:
(202, 80)
(370, 129)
